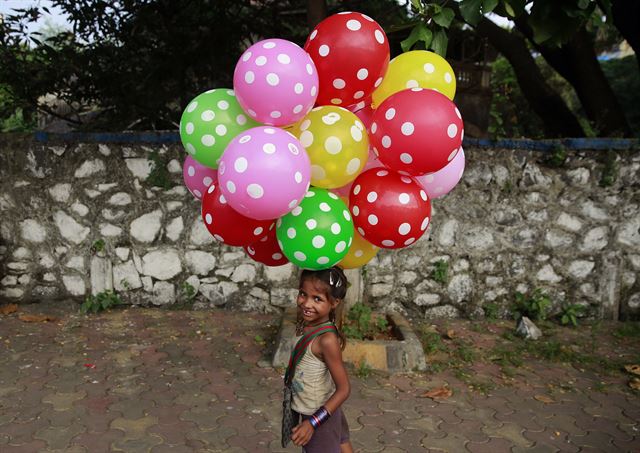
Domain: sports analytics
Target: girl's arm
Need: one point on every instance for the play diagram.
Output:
(331, 353)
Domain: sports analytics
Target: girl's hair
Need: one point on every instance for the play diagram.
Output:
(337, 283)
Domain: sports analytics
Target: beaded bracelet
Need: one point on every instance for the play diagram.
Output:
(319, 417)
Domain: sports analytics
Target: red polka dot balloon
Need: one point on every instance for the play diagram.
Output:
(351, 53)
(267, 251)
(389, 210)
(416, 131)
(227, 225)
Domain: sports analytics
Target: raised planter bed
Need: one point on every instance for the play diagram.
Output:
(403, 354)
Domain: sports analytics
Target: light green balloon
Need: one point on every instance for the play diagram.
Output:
(210, 121)
(318, 232)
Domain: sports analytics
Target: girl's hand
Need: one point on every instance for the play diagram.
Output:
(302, 433)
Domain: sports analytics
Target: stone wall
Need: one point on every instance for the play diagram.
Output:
(79, 219)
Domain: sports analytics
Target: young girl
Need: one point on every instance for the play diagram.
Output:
(320, 383)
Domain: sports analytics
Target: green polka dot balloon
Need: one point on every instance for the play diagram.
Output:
(210, 121)
(318, 232)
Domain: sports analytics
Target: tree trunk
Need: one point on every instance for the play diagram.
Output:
(577, 62)
(626, 18)
(558, 120)
(316, 11)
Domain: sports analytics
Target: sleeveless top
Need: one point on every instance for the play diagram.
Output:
(312, 384)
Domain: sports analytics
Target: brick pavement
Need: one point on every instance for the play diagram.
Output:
(147, 380)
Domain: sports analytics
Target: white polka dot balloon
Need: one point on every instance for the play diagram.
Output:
(351, 52)
(416, 131)
(389, 210)
(318, 233)
(276, 82)
(264, 173)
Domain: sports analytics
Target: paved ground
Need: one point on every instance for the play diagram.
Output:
(143, 380)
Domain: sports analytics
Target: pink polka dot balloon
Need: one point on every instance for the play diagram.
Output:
(416, 131)
(389, 210)
(197, 177)
(276, 82)
(444, 180)
(264, 173)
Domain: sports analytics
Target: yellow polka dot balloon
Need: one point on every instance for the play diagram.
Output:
(359, 254)
(417, 68)
(337, 144)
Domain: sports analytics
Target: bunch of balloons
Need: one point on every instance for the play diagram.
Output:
(322, 155)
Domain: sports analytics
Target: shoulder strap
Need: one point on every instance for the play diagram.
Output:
(301, 346)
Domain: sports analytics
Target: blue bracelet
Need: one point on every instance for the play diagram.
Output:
(319, 417)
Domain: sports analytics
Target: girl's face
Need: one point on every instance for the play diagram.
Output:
(314, 301)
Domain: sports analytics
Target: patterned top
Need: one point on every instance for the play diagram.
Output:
(312, 384)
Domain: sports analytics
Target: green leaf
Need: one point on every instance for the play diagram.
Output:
(489, 5)
(444, 18)
(514, 8)
(419, 33)
(439, 43)
(417, 4)
(471, 11)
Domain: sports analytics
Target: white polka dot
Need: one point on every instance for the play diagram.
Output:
(211, 189)
(231, 187)
(404, 229)
(379, 36)
(372, 196)
(335, 228)
(429, 68)
(362, 74)
(361, 231)
(310, 194)
(356, 189)
(420, 89)
(292, 204)
(324, 50)
(189, 128)
(409, 241)
(447, 77)
(298, 108)
(258, 231)
(296, 211)
(275, 114)
(249, 77)
(346, 215)
(452, 155)
(208, 219)
(269, 130)
(423, 195)
(325, 207)
(311, 224)
(231, 93)
(245, 138)
(241, 120)
(291, 233)
(313, 35)
(306, 138)
(207, 181)
(390, 113)
(356, 133)
(252, 113)
(318, 172)
(374, 127)
(284, 58)
(305, 125)
(336, 101)
(406, 179)
(406, 158)
(322, 260)
(246, 55)
(208, 140)
(269, 148)
(269, 45)
(318, 242)
(276, 256)
(382, 173)
(331, 118)
(191, 107)
(411, 84)
(356, 210)
(207, 115)
(452, 130)
(255, 191)
(354, 25)
(388, 243)
(372, 219)
(386, 141)
(339, 83)
(340, 246)
(191, 171)
(458, 113)
(404, 198)
(378, 82)
(222, 199)
(358, 94)
(261, 60)
(241, 164)
(218, 237)
(293, 149)
(300, 256)
(314, 90)
(425, 224)
(353, 166)
(221, 129)
(309, 69)
(298, 88)
(407, 128)
(333, 145)
(273, 79)
(333, 195)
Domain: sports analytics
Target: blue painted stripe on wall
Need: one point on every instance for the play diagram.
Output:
(169, 137)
